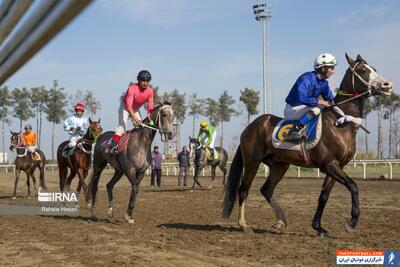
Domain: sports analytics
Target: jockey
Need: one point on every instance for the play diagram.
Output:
(29, 140)
(76, 126)
(136, 95)
(303, 102)
(209, 138)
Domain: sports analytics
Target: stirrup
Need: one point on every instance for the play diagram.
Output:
(113, 150)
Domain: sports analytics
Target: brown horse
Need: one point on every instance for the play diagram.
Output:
(24, 162)
(80, 160)
(335, 149)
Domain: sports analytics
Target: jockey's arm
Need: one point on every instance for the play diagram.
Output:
(134, 116)
(199, 135)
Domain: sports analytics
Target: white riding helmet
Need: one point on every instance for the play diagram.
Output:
(323, 60)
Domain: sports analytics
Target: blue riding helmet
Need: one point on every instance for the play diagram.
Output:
(28, 126)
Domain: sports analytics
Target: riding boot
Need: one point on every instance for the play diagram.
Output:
(113, 147)
(294, 134)
(212, 153)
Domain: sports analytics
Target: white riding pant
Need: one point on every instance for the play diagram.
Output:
(31, 148)
(123, 116)
(73, 139)
(204, 140)
(295, 112)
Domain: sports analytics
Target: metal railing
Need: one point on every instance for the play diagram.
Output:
(173, 168)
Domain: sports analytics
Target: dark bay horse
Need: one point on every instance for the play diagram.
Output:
(24, 162)
(335, 149)
(201, 161)
(80, 160)
(134, 160)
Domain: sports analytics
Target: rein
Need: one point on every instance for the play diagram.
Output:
(19, 146)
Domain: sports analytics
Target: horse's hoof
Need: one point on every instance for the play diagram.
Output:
(324, 234)
(88, 205)
(348, 227)
(14, 198)
(129, 219)
(279, 227)
(29, 197)
(93, 212)
(40, 189)
(209, 187)
(247, 229)
(110, 212)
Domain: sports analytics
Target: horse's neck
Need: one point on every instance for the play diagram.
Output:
(354, 107)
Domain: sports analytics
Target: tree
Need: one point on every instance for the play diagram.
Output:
(225, 110)
(21, 103)
(380, 104)
(196, 108)
(179, 107)
(39, 97)
(212, 111)
(368, 107)
(250, 99)
(391, 105)
(91, 103)
(5, 101)
(55, 109)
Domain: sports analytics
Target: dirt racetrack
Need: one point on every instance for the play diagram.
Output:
(176, 227)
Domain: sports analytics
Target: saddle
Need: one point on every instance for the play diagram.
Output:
(122, 143)
(208, 154)
(312, 130)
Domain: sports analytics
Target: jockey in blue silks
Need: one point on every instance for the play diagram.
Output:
(303, 102)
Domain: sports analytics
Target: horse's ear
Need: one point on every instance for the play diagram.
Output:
(350, 60)
(11, 132)
(359, 58)
(90, 120)
(19, 132)
(99, 120)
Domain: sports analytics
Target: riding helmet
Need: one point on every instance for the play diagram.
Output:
(144, 75)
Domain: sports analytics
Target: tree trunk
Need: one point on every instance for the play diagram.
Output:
(3, 142)
(222, 133)
(379, 146)
(194, 121)
(390, 133)
(20, 124)
(366, 138)
(248, 118)
(52, 142)
(40, 128)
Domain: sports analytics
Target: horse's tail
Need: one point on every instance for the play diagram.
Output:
(232, 187)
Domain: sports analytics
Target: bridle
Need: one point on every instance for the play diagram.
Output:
(89, 141)
(19, 145)
(370, 84)
(160, 126)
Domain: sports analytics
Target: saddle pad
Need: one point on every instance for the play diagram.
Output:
(123, 142)
(313, 133)
(208, 154)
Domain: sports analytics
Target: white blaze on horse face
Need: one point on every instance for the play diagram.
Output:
(378, 82)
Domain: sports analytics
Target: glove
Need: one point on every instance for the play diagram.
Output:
(151, 123)
(139, 124)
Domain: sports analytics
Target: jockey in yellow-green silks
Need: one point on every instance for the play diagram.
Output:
(207, 136)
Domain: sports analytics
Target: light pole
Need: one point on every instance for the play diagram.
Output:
(263, 13)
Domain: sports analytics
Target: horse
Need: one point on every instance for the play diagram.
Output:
(80, 160)
(200, 161)
(132, 160)
(333, 152)
(24, 162)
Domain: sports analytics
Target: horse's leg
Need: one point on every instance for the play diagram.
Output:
(250, 172)
(17, 173)
(62, 173)
(28, 183)
(336, 172)
(224, 171)
(70, 177)
(78, 189)
(196, 177)
(110, 186)
(213, 167)
(323, 198)
(81, 176)
(134, 192)
(42, 184)
(32, 174)
(276, 173)
(98, 167)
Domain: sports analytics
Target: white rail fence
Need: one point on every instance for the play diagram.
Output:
(391, 169)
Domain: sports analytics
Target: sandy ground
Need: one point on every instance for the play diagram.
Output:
(176, 227)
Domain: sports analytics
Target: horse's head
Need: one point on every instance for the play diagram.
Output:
(15, 140)
(95, 129)
(163, 117)
(363, 78)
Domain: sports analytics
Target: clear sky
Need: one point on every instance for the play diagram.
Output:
(208, 47)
